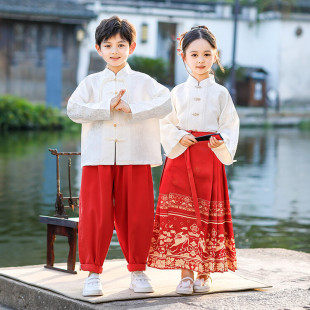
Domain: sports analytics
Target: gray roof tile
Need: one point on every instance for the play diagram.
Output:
(45, 8)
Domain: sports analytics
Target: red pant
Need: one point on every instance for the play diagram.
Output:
(120, 195)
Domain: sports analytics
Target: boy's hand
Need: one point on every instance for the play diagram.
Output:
(213, 143)
(188, 140)
(116, 100)
(123, 106)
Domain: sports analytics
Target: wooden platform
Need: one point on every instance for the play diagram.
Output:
(116, 279)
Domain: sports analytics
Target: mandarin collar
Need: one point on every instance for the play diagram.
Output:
(120, 74)
(206, 82)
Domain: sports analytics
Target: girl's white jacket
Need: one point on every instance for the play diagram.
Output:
(112, 137)
(205, 106)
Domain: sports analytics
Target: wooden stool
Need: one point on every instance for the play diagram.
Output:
(60, 224)
(62, 227)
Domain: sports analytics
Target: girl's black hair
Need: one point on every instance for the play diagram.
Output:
(198, 32)
(111, 26)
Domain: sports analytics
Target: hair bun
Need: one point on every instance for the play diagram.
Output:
(200, 27)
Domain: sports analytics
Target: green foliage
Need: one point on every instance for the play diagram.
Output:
(304, 125)
(157, 68)
(222, 77)
(283, 6)
(18, 113)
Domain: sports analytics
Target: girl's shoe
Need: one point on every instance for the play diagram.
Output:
(202, 286)
(186, 286)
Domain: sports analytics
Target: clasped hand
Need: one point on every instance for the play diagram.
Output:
(118, 104)
(189, 140)
(214, 143)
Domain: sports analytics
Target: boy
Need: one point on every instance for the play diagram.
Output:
(119, 110)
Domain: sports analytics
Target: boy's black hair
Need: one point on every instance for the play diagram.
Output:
(111, 26)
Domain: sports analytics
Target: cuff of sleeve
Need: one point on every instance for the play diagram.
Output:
(221, 147)
(134, 110)
(177, 151)
(178, 148)
(181, 134)
(106, 106)
(223, 154)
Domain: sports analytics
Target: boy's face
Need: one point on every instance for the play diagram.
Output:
(115, 52)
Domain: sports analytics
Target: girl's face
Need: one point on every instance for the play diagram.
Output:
(115, 52)
(200, 56)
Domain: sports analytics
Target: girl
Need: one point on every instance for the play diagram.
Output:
(193, 226)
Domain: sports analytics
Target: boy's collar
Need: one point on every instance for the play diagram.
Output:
(208, 81)
(121, 73)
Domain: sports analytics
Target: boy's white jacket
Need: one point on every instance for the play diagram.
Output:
(112, 137)
(205, 106)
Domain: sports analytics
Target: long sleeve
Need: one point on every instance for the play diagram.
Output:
(82, 109)
(158, 106)
(229, 129)
(170, 135)
(115, 138)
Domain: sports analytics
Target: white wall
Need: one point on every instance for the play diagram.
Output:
(86, 47)
(270, 44)
(295, 62)
(258, 46)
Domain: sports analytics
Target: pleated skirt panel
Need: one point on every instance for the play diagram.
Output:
(193, 225)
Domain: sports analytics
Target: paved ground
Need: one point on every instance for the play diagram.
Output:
(287, 271)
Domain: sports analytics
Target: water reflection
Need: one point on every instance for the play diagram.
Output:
(28, 189)
(268, 189)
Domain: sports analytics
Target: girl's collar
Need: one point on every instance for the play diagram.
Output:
(206, 82)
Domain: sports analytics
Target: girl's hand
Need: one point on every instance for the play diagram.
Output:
(188, 140)
(117, 99)
(213, 143)
(123, 106)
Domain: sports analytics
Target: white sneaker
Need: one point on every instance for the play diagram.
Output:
(202, 286)
(186, 286)
(140, 283)
(92, 286)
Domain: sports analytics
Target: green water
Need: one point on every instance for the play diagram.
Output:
(269, 192)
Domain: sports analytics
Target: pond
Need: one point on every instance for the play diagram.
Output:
(268, 185)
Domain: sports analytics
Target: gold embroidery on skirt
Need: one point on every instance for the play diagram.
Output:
(177, 201)
(178, 242)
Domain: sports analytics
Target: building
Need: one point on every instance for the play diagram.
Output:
(272, 40)
(29, 31)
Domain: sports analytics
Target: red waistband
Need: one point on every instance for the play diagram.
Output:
(200, 133)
